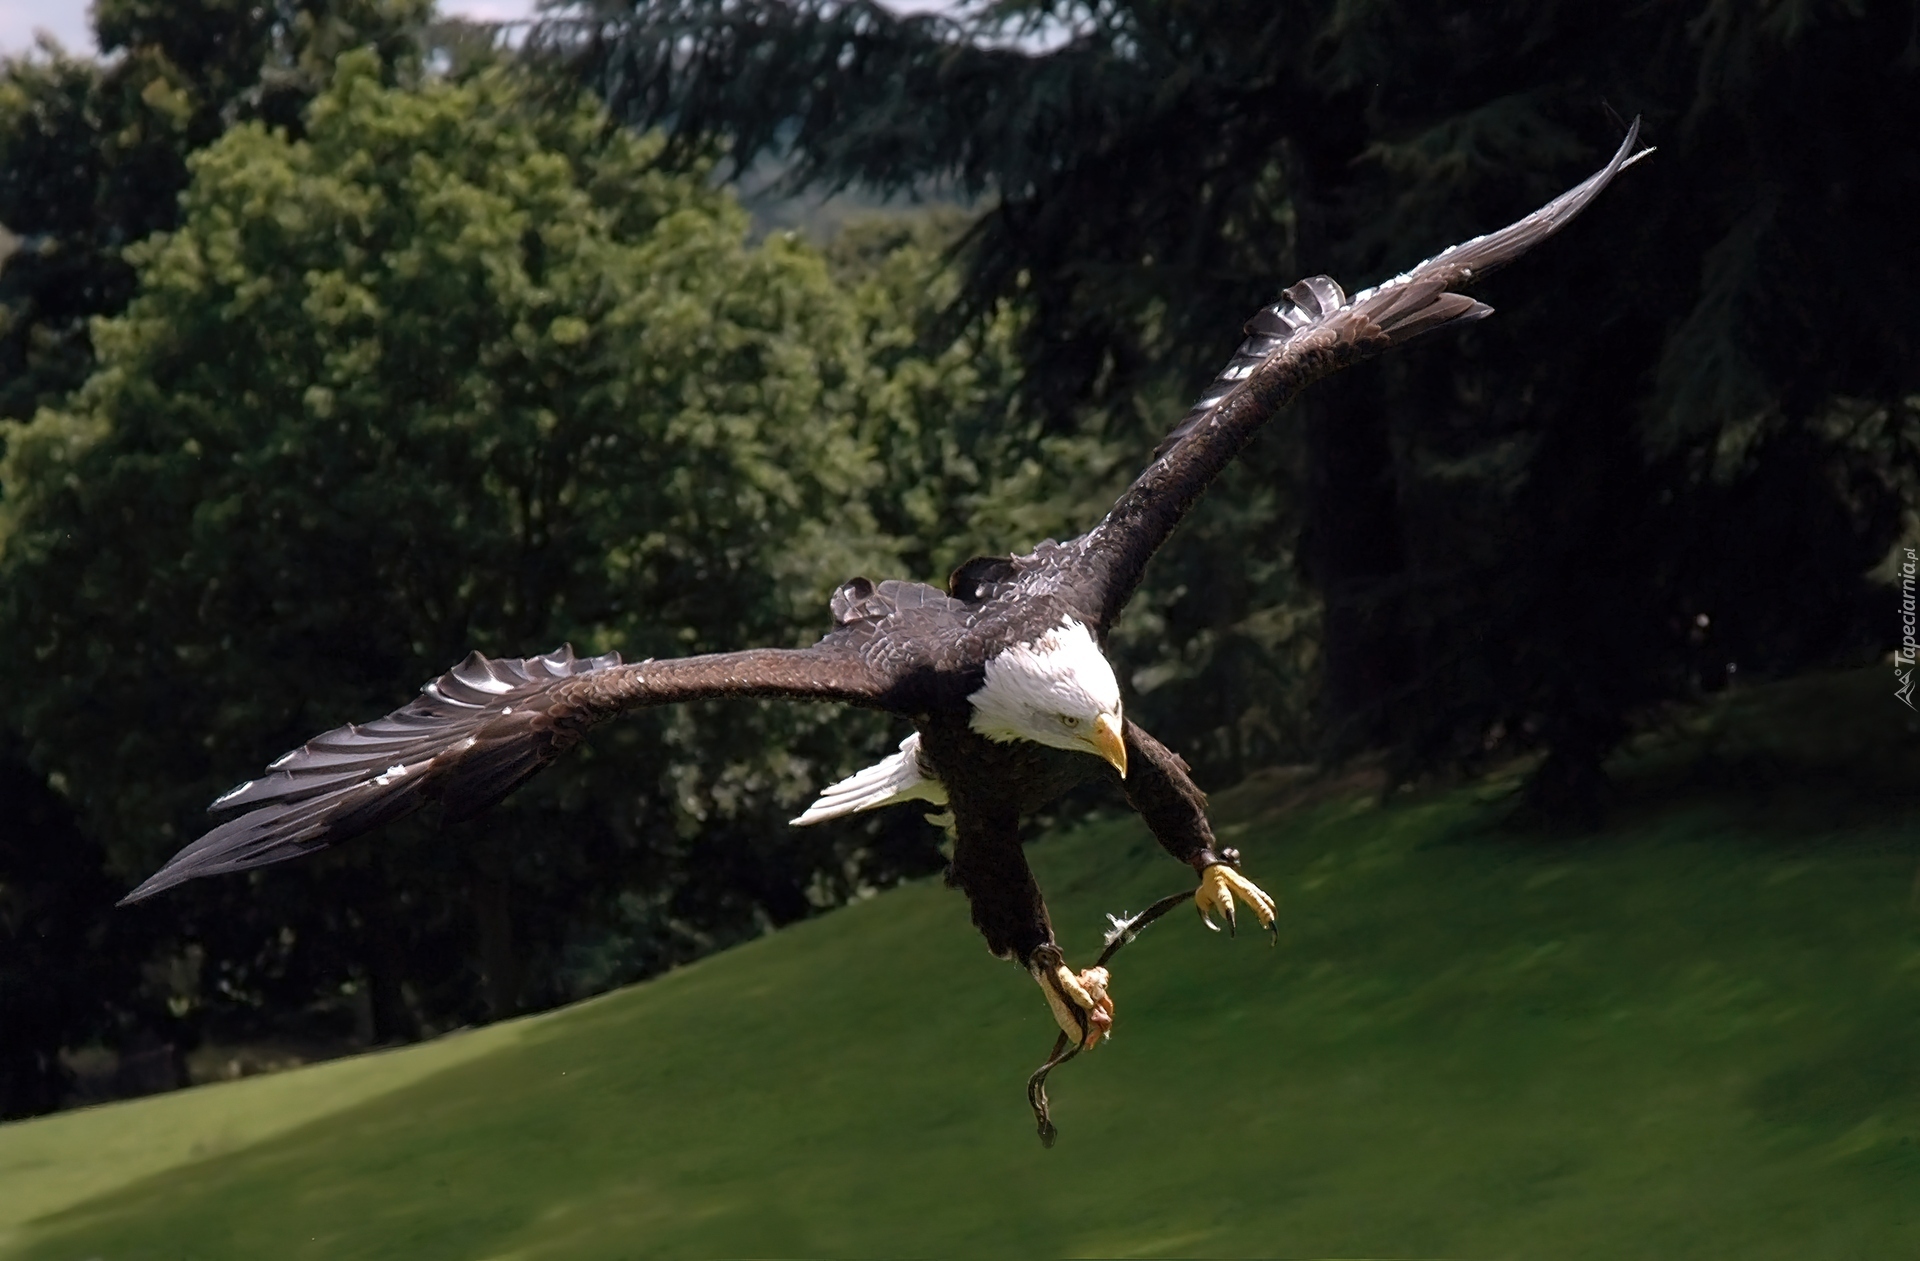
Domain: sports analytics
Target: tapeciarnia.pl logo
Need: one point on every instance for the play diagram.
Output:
(1904, 654)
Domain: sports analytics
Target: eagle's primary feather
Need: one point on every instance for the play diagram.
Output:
(1009, 708)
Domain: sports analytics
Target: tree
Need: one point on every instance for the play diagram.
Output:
(68, 972)
(448, 372)
(93, 155)
(1517, 536)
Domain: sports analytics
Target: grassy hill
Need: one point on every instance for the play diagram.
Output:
(1694, 1034)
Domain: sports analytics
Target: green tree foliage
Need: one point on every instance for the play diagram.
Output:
(1699, 406)
(968, 461)
(451, 371)
(93, 155)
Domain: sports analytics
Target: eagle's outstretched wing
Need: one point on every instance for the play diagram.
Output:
(1314, 330)
(475, 734)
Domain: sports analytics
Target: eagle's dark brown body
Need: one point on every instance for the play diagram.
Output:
(992, 785)
(905, 648)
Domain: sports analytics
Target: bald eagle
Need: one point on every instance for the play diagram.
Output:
(1002, 675)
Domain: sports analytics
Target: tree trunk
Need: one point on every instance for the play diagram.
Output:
(500, 971)
(1352, 550)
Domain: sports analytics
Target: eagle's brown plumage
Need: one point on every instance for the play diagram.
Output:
(481, 729)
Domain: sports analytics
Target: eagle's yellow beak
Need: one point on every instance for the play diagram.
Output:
(1109, 743)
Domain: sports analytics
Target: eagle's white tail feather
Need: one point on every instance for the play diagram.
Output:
(898, 778)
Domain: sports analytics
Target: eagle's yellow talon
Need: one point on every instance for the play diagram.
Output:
(1220, 885)
(1080, 1003)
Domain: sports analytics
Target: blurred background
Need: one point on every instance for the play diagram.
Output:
(340, 337)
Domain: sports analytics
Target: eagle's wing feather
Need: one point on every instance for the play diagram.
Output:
(1312, 331)
(475, 734)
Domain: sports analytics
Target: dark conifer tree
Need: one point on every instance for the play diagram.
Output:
(1688, 435)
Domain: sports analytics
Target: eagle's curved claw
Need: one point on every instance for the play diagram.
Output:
(1080, 1003)
(1219, 885)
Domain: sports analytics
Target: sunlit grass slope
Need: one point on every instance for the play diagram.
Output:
(1697, 1034)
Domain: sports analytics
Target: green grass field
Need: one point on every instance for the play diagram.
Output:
(1696, 1034)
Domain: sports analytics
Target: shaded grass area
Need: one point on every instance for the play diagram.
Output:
(56, 1162)
(1694, 1034)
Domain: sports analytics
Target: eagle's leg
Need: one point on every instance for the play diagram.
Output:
(991, 869)
(1175, 809)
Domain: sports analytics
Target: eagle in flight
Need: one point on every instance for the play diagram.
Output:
(1003, 674)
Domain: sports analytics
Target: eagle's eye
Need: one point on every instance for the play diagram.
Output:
(1069, 720)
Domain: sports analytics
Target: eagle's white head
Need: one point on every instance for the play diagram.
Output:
(1057, 691)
